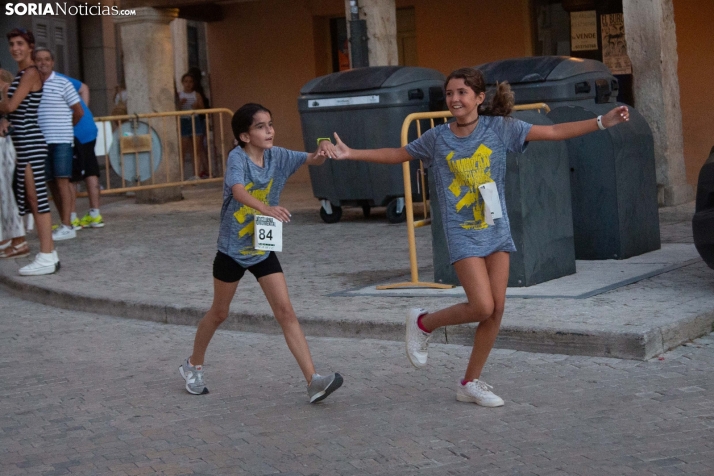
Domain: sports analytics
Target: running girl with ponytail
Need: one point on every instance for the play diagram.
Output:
(463, 155)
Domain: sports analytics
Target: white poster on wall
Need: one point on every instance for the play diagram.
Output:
(614, 47)
(583, 31)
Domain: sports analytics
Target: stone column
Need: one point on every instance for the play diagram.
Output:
(149, 72)
(179, 40)
(381, 17)
(652, 47)
(99, 68)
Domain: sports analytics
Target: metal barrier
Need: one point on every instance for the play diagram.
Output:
(133, 149)
(411, 224)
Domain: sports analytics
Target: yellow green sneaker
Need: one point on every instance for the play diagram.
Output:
(76, 224)
(88, 221)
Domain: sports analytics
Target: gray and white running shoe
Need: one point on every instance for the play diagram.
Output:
(194, 378)
(320, 387)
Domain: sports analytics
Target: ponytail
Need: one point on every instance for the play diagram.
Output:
(501, 100)
(501, 103)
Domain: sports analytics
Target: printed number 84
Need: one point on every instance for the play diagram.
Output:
(262, 235)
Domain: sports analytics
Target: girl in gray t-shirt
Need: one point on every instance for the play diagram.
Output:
(467, 159)
(256, 173)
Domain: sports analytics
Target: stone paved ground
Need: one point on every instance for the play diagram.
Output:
(91, 394)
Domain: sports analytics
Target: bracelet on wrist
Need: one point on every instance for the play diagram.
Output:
(600, 125)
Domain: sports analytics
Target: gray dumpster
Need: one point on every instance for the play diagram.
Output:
(703, 220)
(366, 107)
(539, 210)
(613, 183)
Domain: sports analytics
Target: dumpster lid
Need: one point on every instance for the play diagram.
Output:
(538, 69)
(372, 77)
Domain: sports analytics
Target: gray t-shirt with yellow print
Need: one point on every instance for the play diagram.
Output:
(459, 165)
(235, 236)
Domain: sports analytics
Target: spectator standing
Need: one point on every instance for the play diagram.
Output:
(59, 111)
(20, 104)
(197, 76)
(85, 165)
(192, 129)
(120, 99)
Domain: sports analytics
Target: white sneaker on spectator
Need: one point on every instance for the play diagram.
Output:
(64, 233)
(478, 392)
(45, 263)
(56, 258)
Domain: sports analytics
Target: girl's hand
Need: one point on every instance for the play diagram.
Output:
(326, 149)
(616, 116)
(278, 212)
(341, 149)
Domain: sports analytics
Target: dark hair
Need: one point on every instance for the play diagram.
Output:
(189, 75)
(24, 34)
(243, 119)
(197, 76)
(195, 73)
(501, 103)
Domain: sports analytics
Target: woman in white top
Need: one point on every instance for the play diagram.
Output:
(191, 130)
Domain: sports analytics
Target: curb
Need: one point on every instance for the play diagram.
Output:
(637, 346)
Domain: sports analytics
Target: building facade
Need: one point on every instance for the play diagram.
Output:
(266, 50)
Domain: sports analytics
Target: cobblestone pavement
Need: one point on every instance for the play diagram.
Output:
(91, 394)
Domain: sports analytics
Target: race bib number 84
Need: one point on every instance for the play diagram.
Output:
(268, 234)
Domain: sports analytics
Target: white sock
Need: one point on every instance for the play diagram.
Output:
(72, 216)
(94, 212)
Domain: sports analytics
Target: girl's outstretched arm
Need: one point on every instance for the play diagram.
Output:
(381, 156)
(568, 130)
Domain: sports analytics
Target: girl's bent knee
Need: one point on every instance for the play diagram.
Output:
(217, 316)
(498, 311)
(481, 311)
(286, 317)
(495, 319)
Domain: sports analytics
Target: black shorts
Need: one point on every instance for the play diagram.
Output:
(227, 270)
(85, 161)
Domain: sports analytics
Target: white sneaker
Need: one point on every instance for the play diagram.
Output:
(478, 392)
(64, 233)
(55, 256)
(45, 263)
(416, 339)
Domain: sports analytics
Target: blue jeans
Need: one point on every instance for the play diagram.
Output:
(59, 161)
(187, 126)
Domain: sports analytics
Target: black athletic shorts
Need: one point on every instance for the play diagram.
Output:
(85, 161)
(227, 270)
